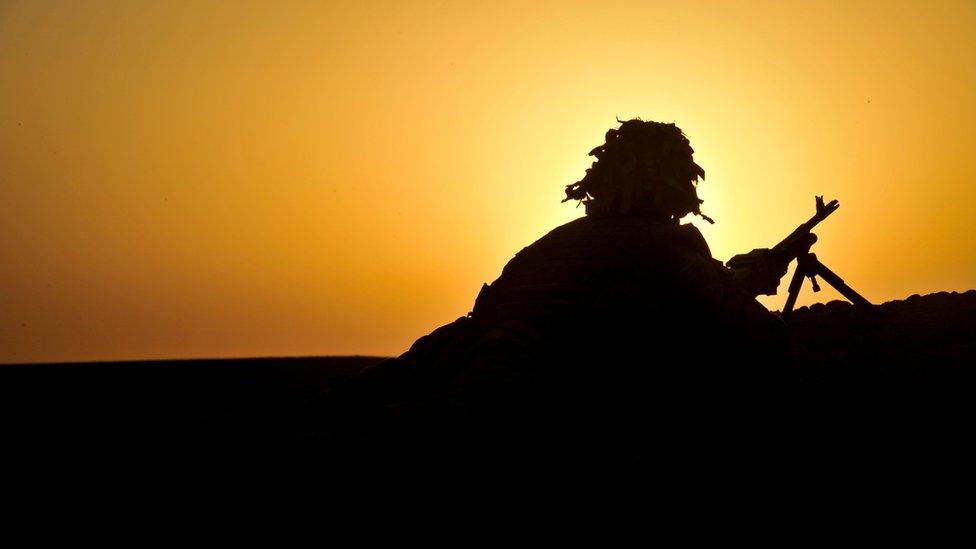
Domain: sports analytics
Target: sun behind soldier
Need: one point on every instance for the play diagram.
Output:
(605, 333)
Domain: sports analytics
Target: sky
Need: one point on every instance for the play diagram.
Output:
(224, 179)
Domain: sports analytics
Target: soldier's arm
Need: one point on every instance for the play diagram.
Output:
(759, 271)
(755, 273)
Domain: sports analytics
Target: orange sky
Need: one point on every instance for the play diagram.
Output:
(195, 179)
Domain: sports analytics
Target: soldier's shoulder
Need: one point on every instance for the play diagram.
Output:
(690, 236)
(617, 226)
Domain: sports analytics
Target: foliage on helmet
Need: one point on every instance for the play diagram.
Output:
(642, 168)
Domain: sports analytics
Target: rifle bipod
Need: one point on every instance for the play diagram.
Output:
(808, 266)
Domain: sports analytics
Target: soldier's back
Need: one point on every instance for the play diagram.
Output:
(602, 328)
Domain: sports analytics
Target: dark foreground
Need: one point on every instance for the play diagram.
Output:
(175, 400)
(901, 377)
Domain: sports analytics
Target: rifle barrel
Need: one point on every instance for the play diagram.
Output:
(823, 210)
(798, 239)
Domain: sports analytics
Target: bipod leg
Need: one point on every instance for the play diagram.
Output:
(818, 268)
(794, 291)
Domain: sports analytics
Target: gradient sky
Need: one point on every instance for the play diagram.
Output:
(196, 179)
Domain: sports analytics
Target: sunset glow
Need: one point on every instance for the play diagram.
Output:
(196, 179)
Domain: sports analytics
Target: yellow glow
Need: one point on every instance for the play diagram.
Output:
(228, 179)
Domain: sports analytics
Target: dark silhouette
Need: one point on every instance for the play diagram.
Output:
(644, 168)
(613, 346)
(611, 335)
(761, 269)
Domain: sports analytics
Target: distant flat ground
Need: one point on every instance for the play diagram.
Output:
(101, 398)
(914, 358)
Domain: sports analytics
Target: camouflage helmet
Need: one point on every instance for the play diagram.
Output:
(643, 168)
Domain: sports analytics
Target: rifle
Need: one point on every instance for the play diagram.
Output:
(757, 269)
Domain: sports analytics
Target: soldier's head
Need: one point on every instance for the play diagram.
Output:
(643, 168)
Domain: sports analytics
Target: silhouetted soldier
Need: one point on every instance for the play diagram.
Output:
(646, 170)
(609, 332)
